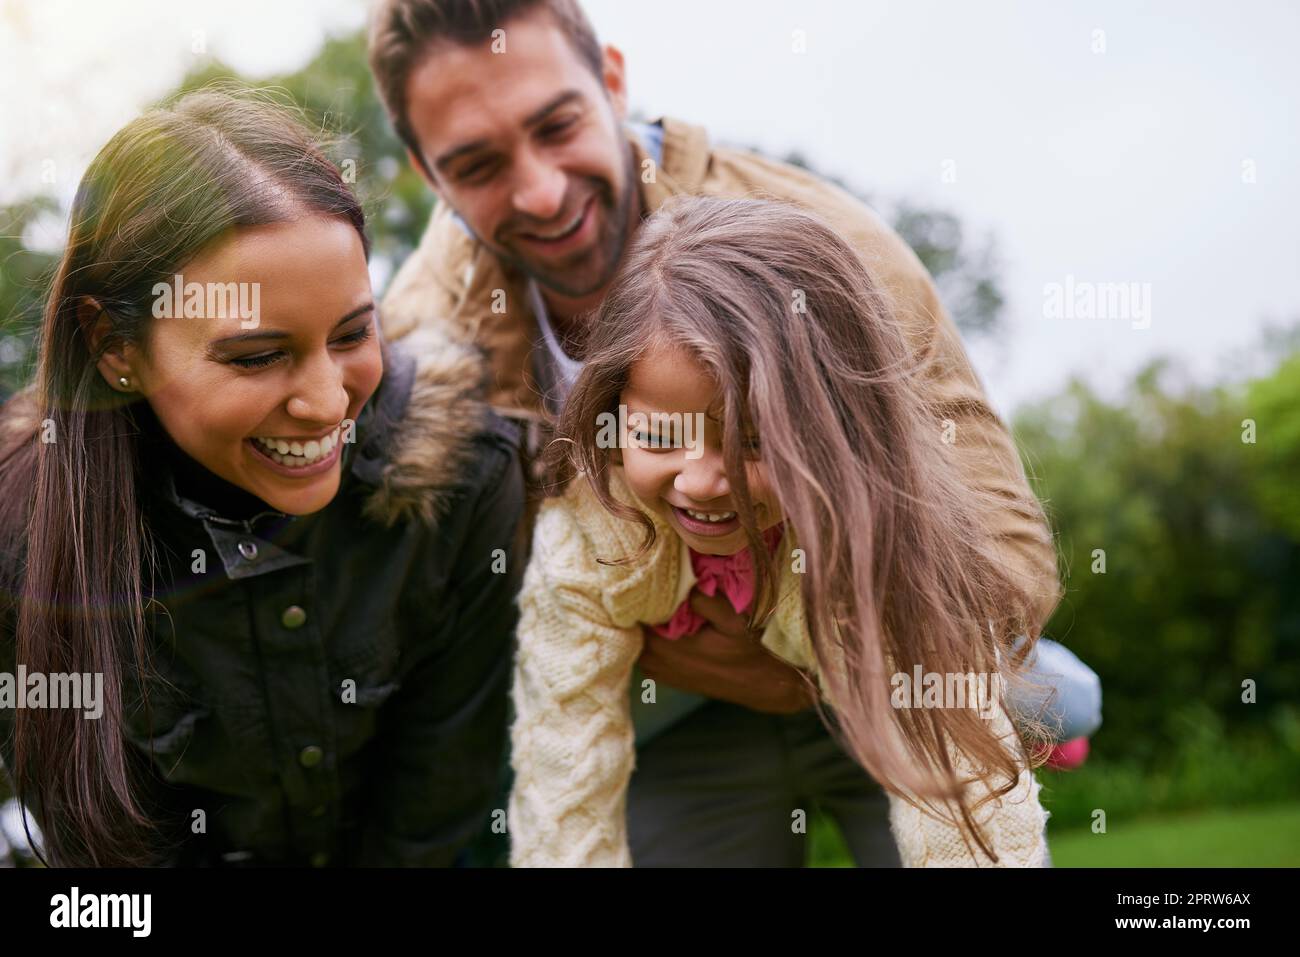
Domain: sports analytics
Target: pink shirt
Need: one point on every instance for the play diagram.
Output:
(733, 575)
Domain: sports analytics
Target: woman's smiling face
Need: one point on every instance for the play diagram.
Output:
(268, 407)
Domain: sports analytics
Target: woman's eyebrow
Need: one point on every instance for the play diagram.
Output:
(275, 334)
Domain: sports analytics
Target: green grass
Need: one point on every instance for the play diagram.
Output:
(1267, 836)
(1238, 837)
(826, 847)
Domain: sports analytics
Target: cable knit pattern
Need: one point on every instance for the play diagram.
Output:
(1013, 825)
(573, 743)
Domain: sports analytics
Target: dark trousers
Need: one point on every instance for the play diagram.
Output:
(722, 788)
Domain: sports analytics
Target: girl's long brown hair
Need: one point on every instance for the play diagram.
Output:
(165, 187)
(900, 570)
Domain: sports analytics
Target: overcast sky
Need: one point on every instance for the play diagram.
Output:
(1099, 142)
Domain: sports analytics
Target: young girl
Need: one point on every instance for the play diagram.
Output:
(747, 415)
(280, 551)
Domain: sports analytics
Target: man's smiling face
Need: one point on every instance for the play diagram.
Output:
(526, 145)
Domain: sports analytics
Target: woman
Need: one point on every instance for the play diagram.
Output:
(286, 549)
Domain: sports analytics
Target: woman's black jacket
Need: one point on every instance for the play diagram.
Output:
(331, 689)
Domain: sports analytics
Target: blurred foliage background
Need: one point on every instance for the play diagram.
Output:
(1189, 490)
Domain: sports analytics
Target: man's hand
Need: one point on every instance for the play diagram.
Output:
(724, 660)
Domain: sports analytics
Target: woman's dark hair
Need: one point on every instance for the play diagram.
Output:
(164, 188)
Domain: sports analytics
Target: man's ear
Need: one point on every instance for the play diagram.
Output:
(414, 160)
(614, 77)
(118, 360)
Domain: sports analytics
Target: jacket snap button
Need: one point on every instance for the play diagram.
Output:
(248, 550)
(310, 756)
(293, 617)
(320, 859)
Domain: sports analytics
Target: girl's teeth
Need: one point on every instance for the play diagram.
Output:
(281, 446)
(711, 517)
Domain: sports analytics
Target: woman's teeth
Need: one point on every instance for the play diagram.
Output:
(710, 516)
(299, 454)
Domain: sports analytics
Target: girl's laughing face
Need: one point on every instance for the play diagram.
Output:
(687, 486)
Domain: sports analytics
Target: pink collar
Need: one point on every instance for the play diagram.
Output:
(733, 575)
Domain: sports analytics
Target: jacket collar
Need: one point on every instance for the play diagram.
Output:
(682, 169)
(421, 442)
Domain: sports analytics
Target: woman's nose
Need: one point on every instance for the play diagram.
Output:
(320, 396)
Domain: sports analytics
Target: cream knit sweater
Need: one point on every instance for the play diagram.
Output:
(573, 748)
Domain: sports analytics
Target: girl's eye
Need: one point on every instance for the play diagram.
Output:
(647, 441)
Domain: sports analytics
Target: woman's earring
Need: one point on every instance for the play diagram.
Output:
(124, 382)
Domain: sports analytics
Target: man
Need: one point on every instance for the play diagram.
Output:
(516, 117)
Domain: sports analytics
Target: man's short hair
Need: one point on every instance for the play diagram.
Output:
(402, 32)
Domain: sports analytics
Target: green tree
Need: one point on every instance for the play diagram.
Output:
(967, 273)
(1197, 592)
(25, 275)
(1272, 406)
